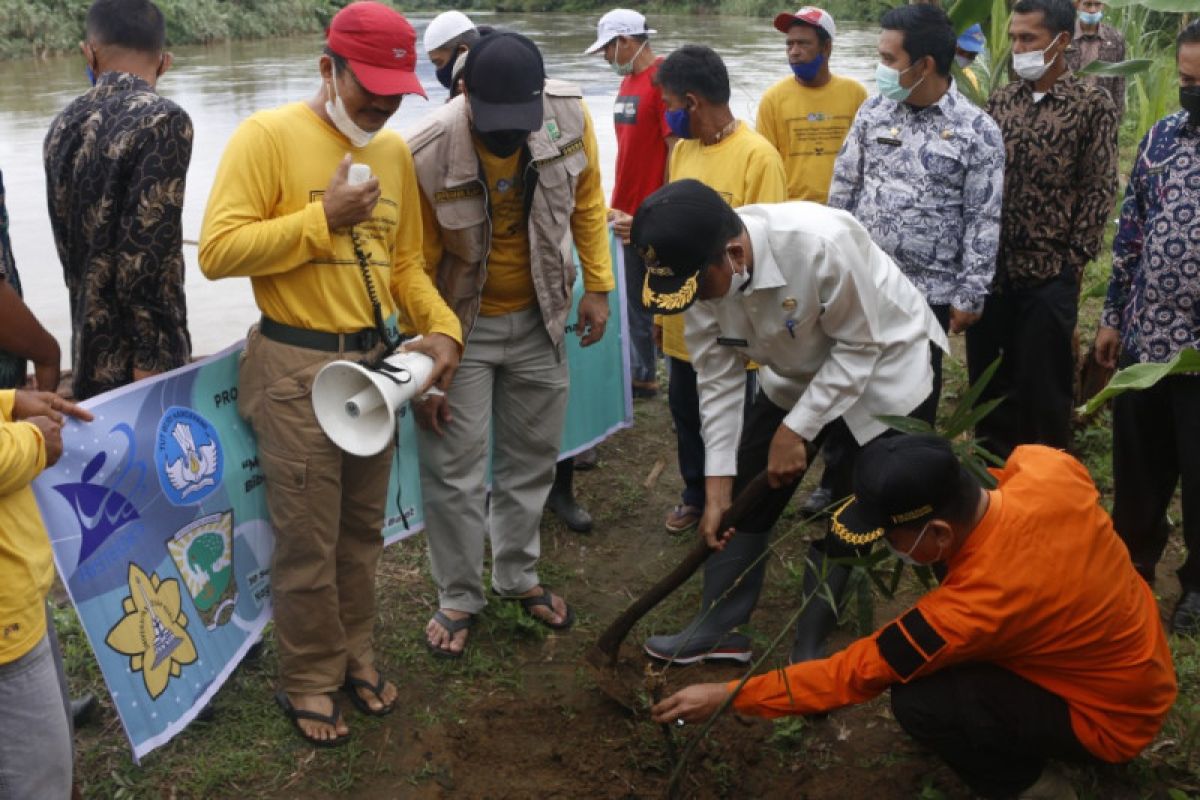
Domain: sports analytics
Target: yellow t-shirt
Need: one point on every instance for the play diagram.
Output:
(509, 284)
(26, 566)
(265, 220)
(807, 127)
(743, 168)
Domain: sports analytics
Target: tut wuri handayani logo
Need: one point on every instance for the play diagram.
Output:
(187, 455)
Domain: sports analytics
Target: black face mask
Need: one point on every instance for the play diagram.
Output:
(445, 72)
(502, 143)
(1189, 98)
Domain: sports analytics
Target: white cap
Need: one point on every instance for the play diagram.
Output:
(444, 27)
(618, 22)
(809, 15)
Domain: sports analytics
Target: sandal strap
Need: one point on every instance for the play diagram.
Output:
(451, 625)
(362, 683)
(546, 598)
(290, 710)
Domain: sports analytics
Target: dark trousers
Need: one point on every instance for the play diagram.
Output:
(1031, 329)
(643, 360)
(993, 727)
(1156, 442)
(762, 422)
(683, 399)
(927, 411)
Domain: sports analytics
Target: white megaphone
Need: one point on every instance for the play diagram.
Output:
(357, 406)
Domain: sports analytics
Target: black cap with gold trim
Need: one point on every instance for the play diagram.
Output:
(676, 230)
(898, 481)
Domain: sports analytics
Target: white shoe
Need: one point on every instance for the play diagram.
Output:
(1050, 785)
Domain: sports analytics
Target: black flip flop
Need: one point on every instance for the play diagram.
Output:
(546, 598)
(452, 627)
(296, 714)
(351, 687)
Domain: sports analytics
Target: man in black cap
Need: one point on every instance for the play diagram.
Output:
(841, 337)
(508, 173)
(1042, 642)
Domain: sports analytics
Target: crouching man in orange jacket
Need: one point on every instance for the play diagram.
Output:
(1041, 643)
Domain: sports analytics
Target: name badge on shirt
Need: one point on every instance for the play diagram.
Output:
(888, 140)
(728, 341)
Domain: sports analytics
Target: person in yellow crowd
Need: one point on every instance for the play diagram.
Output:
(508, 173)
(806, 115)
(1041, 643)
(727, 155)
(329, 261)
(35, 745)
(970, 54)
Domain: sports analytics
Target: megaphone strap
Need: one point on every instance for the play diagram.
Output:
(364, 266)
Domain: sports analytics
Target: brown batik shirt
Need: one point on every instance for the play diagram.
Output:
(1106, 44)
(116, 159)
(1060, 178)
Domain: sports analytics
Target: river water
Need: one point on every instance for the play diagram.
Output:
(222, 84)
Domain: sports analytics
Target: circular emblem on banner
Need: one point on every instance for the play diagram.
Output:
(187, 456)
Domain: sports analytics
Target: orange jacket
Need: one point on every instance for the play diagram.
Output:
(1042, 587)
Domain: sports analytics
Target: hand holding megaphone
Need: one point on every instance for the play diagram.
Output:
(356, 406)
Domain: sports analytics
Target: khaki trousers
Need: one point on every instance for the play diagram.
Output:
(327, 509)
(512, 385)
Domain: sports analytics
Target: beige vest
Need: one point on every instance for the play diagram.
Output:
(452, 181)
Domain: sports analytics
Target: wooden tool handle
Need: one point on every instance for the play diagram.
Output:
(610, 641)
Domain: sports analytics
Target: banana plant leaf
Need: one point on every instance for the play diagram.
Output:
(1176, 6)
(965, 13)
(1143, 376)
(1120, 69)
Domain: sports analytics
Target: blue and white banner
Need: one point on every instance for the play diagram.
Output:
(157, 516)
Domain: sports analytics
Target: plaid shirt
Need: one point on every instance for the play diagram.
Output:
(116, 159)
(1154, 295)
(1060, 181)
(1106, 44)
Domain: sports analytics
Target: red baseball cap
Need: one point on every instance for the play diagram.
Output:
(379, 45)
(808, 15)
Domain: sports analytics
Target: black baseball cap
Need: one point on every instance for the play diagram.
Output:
(899, 480)
(676, 230)
(504, 76)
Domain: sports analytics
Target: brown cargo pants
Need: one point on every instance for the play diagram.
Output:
(326, 507)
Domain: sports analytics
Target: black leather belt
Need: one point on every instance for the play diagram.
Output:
(327, 342)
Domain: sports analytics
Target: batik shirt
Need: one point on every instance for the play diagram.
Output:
(1154, 295)
(12, 369)
(116, 159)
(1106, 44)
(927, 184)
(1060, 179)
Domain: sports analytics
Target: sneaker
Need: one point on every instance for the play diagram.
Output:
(817, 503)
(731, 647)
(683, 518)
(1185, 619)
(1050, 785)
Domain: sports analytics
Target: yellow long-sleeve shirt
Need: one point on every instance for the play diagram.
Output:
(744, 169)
(509, 284)
(26, 564)
(265, 220)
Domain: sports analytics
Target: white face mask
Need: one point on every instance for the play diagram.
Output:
(738, 280)
(962, 61)
(1032, 66)
(341, 120)
(907, 557)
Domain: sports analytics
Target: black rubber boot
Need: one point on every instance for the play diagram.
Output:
(733, 579)
(818, 619)
(562, 499)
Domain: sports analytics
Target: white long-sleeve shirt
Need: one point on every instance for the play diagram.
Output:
(836, 328)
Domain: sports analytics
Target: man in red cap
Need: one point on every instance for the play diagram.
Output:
(333, 265)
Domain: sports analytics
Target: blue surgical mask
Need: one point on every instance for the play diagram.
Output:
(91, 76)
(809, 69)
(1091, 17)
(888, 80)
(679, 122)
